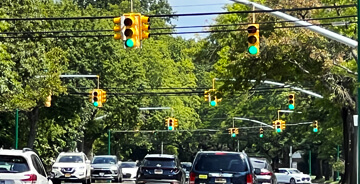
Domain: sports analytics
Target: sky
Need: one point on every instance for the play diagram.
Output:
(196, 6)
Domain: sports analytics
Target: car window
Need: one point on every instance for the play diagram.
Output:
(159, 162)
(13, 164)
(221, 162)
(71, 158)
(258, 164)
(104, 160)
(294, 171)
(282, 171)
(128, 164)
(38, 165)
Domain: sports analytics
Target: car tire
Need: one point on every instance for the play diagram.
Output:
(292, 181)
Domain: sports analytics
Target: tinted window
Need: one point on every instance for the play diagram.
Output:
(71, 158)
(104, 160)
(221, 162)
(13, 164)
(128, 165)
(159, 162)
(294, 171)
(38, 165)
(258, 164)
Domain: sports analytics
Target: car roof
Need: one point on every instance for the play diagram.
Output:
(159, 156)
(226, 152)
(104, 156)
(71, 153)
(25, 151)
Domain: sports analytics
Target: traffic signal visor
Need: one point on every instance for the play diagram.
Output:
(291, 101)
(253, 39)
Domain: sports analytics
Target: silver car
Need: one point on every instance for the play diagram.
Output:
(266, 175)
(106, 167)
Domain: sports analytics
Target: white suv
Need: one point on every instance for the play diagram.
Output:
(22, 167)
(73, 167)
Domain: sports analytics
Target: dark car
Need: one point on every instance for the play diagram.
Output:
(106, 167)
(160, 168)
(222, 167)
(267, 174)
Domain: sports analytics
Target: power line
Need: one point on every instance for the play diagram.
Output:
(179, 15)
(199, 5)
(152, 34)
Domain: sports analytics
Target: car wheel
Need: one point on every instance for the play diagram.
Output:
(120, 179)
(292, 181)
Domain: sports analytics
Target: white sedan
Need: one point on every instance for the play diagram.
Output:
(292, 176)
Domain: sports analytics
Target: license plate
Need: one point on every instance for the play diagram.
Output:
(220, 180)
(202, 176)
(101, 174)
(67, 175)
(158, 171)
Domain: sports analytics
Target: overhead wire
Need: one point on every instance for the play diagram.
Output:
(180, 15)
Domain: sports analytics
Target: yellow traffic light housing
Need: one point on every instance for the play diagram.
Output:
(291, 101)
(283, 125)
(206, 96)
(315, 126)
(103, 96)
(170, 124)
(131, 31)
(144, 30)
(278, 126)
(253, 39)
(96, 97)
(48, 101)
(176, 124)
(117, 28)
(261, 132)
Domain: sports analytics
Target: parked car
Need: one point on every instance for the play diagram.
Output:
(129, 170)
(222, 167)
(292, 176)
(267, 175)
(71, 167)
(187, 167)
(160, 168)
(22, 166)
(106, 167)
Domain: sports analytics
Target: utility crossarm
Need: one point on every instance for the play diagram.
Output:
(307, 25)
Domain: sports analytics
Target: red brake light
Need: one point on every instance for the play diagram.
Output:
(249, 179)
(220, 153)
(192, 178)
(266, 173)
(32, 178)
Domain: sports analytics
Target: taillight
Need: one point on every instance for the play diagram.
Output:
(266, 173)
(192, 178)
(32, 178)
(249, 179)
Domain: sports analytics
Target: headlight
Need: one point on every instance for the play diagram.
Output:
(55, 168)
(113, 168)
(92, 167)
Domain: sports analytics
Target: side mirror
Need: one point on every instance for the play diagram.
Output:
(257, 171)
(119, 163)
(287, 173)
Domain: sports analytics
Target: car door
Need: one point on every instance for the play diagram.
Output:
(282, 176)
(41, 173)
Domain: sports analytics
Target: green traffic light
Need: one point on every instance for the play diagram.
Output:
(213, 103)
(253, 50)
(291, 106)
(233, 135)
(315, 130)
(129, 43)
(170, 128)
(96, 104)
(261, 135)
(278, 130)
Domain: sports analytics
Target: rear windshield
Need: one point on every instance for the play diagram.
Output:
(71, 158)
(13, 164)
(104, 160)
(128, 165)
(258, 164)
(159, 162)
(223, 162)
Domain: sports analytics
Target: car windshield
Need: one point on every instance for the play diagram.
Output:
(221, 162)
(128, 165)
(294, 171)
(70, 158)
(187, 167)
(159, 162)
(257, 163)
(104, 160)
(13, 164)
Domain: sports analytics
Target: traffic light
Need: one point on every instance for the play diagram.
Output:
(132, 30)
(170, 124)
(96, 98)
(278, 126)
(233, 133)
(291, 101)
(117, 28)
(212, 97)
(261, 132)
(283, 125)
(176, 124)
(206, 96)
(103, 96)
(48, 101)
(253, 39)
(315, 126)
(144, 27)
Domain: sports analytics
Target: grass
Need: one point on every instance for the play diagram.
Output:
(322, 180)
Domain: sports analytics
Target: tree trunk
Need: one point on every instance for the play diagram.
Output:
(348, 145)
(319, 169)
(33, 117)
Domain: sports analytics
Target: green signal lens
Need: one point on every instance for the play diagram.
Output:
(278, 130)
(315, 129)
(291, 106)
(96, 104)
(129, 43)
(253, 50)
(170, 128)
(261, 135)
(233, 135)
(213, 103)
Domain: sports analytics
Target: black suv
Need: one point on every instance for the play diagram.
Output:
(162, 168)
(222, 167)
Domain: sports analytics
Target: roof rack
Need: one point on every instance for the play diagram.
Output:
(26, 149)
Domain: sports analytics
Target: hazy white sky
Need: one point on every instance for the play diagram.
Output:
(196, 6)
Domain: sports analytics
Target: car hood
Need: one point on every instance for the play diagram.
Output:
(98, 166)
(69, 164)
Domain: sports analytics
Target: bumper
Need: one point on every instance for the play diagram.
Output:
(104, 177)
(302, 181)
(140, 181)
